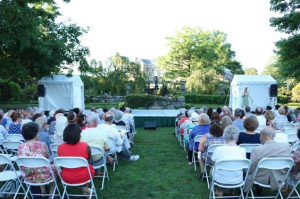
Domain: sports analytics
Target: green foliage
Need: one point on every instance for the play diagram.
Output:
(296, 93)
(288, 49)
(205, 99)
(122, 104)
(250, 71)
(33, 45)
(141, 100)
(196, 49)
(30, 92)
(283, 99)
(10, 91)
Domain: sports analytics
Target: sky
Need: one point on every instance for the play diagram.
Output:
(138, 28)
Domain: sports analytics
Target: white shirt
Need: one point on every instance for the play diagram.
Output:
(281, 138)
(228, 152)
(261, 120)
(61, 123)
(127, 119)
(3, 131)
(112, 132)
(24, 121)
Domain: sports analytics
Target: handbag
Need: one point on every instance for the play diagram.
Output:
(10, 186)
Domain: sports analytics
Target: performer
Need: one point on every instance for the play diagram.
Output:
(245, 96)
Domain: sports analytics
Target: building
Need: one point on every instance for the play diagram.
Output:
(149, 67)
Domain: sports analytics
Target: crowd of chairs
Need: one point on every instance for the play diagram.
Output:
(288, 128)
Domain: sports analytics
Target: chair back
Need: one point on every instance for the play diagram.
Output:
(54, 147)
(1, 140)
(295, 146)
(70, 162)
(233, 164)
(32, 162)
(111, 142)
(275, 163)
(4, 159)
(96, 151)
(198, 138)
(290, 130)
(121, 127)
(249, 147)
(213, 147)
(13, 145)
(15, 137)
(292, 137)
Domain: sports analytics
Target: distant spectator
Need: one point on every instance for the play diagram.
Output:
(291, 116)
(215, 116)
(269, 115)
(15, 127)
(227, 112)
(248, 111)
(81, 121)
(226, 121)
(61, 123)
(43, 136)
(76, 110)
(51, 117)
(118, 119)
(210, 112)
(26, 115)
(105, 110)
(238, 122)
(71, 117)
(260, 117)
(219, 110)
(3, 131)
(281, 115)
(277, 106)
(93, 109)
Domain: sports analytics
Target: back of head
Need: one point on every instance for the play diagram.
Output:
(225, 122)
(30, 130)
(269, 132)
(92, 119)
(203, 119)
(268, 108)
(277, 106)
(219, 110)
(238, 113)
(190, 112)
(61, 123)
(118, 116)
(277, 124)
(26, 114)
(108, 117)
(251, 123)
(71, 117)
(80, 119)
(281, 111)
(122, 108)
(204, 109)
(72, 134)
(225, 110)
(216, 129)
(14, 116)
(76, 110)
(258, 111)
(40, 122)
(269, 115)
(231, 133)
(51, 113)
(247, 109)
(215, 116)
(93, 109)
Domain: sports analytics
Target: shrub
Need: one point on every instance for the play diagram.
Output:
(10, 91)
(30, 92)
(122, 104)
(141, 100)
(282, 99)
(296, 93)
(205, 99)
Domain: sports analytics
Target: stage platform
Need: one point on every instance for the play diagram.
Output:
(163, 118)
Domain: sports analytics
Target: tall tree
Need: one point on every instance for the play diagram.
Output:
(250, 71)
(288, 49)
(32, 45)
(196, 49)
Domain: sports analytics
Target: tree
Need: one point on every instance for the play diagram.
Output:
(32, 45)
(296, 93)
(288, 49)
(250, 71)
(195, 49)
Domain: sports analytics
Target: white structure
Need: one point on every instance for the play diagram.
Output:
(62, 92)
(258, 88)
(149, 67)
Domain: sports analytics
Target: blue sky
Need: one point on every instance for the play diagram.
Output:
(137, 28)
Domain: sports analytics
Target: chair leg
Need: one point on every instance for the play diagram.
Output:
(28, 188)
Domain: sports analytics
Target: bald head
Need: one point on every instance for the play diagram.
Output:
(266, 134)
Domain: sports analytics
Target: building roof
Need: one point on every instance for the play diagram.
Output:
(146, 61)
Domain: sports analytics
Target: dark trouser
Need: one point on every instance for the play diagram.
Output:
(124, 154)
(190, 156)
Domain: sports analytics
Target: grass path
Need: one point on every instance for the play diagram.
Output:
(161, 172)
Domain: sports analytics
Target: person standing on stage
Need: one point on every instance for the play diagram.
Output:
(245, 96)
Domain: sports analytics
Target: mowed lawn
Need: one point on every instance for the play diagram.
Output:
(161, 172)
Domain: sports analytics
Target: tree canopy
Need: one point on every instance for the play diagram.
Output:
(288, 49)
(250, 71)
(193, 49)
(33, 45)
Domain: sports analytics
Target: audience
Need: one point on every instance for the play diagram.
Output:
(226, 121)
(15, 127)
(238, 122)
(260, 117)
(73, 147)
(227, 112)
(268, 149)
(3, 130)
(229, 151)
(248, 111)
(209, 113)
(60, 124)
(51, 117)
(118, 119)
(81, 121)
(71, 117)
(25, 119)
(281, 116)
(215, 117)
(43, 136)
(269, 115)
(277, 106)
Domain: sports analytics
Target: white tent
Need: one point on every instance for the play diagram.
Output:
(62, 92)
(258, 88)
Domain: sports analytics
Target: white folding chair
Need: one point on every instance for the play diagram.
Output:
(292, 137)
(197, 139)
(290, 130)
(121, 127)
(211, 149)
(10, 174)
(35, 163)
(294, 190)
(272, 164)
(11, 148)
(295, 146)
(54, 149)
(232, 165)
(288, 126)
(14, 137)
(249, 147)
(113, 145)
(100, 163)
(73, 163)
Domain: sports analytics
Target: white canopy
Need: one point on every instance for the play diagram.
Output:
(62, 92)
(258, 88)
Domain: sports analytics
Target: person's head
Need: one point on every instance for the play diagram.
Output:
(269, 115)
(281, 111)
(35, 116)
(209, 112)
(190, 112)
(93, 109)
(113, 110)
(277, 124)
(108, 118)
(39, 111)
(267, 133)
(243, 113)
(1, 116)
(71, 117)
(203, 119)
(26, 114)
(216, 129)
(201, 111)
(16, 117)
(251, 123)
(215, 116)
(225, 110)
(30, 131)
(268, 108)
(226, 120)
(238, 113)
(61, 110)
(101, 115)
(290, 111)
(99, 110)
(258, 111)
(231, 133)
(92, 119)
(122, 108)
(30, 110)
(219, 110)
(298, 134)
(204, 109)
(51, 113)
(245, 89)
(105, 110)
(10, 112)
(41, 123)
(76, 110)
(127, 110)
(194, 117)
(286, 109)
(80, 120)
(1, 112)
(118, 116)
(72, 134)
(186, 113)
(277, 106)
(247, 109)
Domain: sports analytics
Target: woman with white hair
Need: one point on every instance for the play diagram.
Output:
(229, 151)
(118, 119)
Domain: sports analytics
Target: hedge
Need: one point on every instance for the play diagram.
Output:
(141, 100)
(205, 99)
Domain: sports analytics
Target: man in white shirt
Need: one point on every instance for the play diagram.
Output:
(112, 132)
(60, 125)
(260, 117)
(127, 119)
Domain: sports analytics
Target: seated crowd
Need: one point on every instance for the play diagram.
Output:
(263, 129)
(75, 132)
